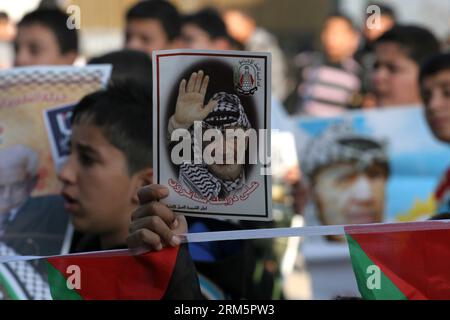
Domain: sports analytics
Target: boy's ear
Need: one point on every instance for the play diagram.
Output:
(222, 44)
(69, 57)
(143, 178)
(147, 176)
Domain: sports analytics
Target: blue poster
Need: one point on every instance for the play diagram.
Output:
(59, 131)
(371, 166)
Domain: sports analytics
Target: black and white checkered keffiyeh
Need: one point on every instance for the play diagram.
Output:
(22, 278)
(206, 184)
(333, 147)
(228, 113)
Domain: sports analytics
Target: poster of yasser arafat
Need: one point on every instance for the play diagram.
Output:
(211, 120)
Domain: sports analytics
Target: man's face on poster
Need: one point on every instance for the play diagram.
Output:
(229, 147)
(15, 187)
(345, 194)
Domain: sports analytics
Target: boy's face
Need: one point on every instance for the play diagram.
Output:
(146, 35)
(99, 193)
(339, 39)
(436, 97)
(240, 26)
(36, 44)
(196, 38)
(395, 76)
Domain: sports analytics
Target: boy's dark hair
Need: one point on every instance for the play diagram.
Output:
(4, 15)
(440, 216)
(434, 65)
(159, 10)
(128, 64)
(385, 10)
(417, 42)
(123, 112)
(56, 21)
(210, 21)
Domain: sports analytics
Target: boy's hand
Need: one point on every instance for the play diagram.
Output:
(191, 96)
(153, 225)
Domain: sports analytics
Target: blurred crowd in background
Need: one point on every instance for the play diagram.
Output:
(328, 57)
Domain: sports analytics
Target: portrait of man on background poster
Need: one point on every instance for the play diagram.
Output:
(29, 225)
(347, 173)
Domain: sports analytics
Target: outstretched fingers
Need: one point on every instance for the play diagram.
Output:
(204, 85)
(198, 82)
(191, 82)
(182, 88)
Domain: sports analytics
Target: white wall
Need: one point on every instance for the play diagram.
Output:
(17, 8)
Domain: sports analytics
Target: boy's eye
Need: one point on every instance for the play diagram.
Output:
(86, 159)
(35, 49)
(392, 68)
(146, 39)
(447, 92)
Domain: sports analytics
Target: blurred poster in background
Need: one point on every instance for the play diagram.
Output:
(364, 167)
(384, 165)
(35, 108)
(26, 93)
(58, 123)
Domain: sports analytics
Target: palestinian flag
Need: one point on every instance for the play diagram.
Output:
(401, 260)
(117, 275)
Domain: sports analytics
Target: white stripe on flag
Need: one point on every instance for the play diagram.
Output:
(271, 233)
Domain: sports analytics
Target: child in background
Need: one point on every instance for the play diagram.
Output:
(43, 38)
(434, 81)
(398, 55)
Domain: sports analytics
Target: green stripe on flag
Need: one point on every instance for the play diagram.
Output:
(58, 285)
(9, 290)
(366, 276)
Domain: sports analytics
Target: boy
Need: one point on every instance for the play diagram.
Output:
(205, 30)
(434, 81)
(152, 25)
(329, 81)
(111, 156)
(43, 38)
(398, 55)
